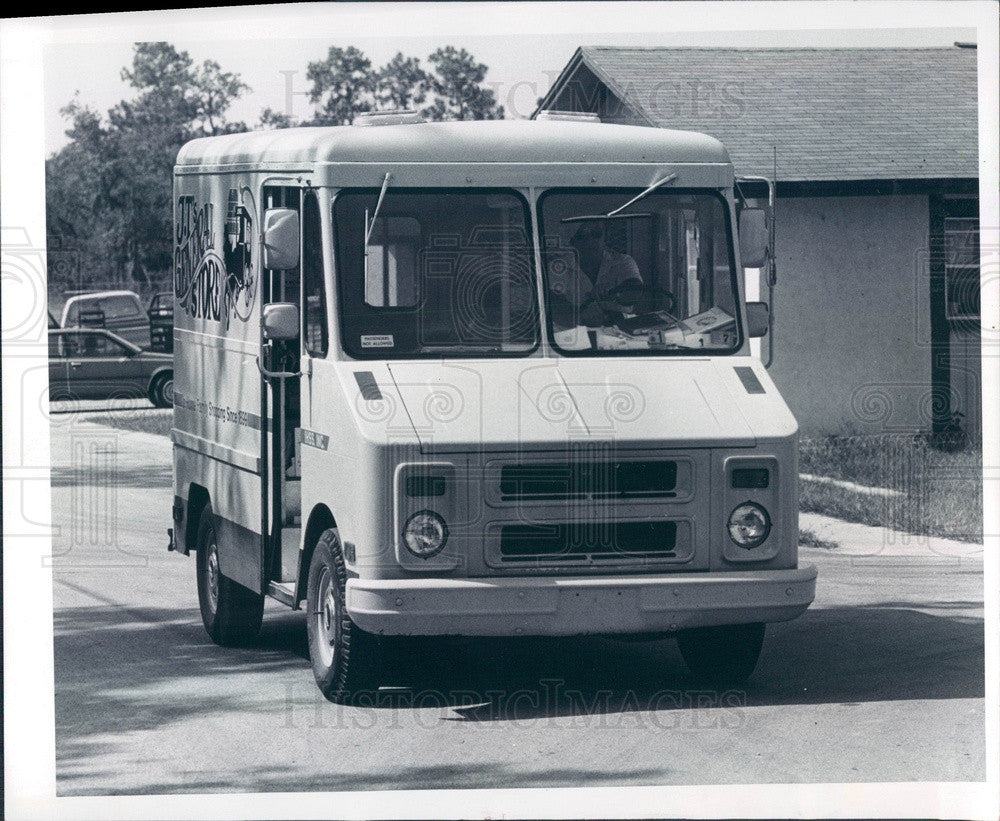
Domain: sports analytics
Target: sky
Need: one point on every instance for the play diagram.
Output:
(522, 66)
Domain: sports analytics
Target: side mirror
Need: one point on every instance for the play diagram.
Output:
(758, 318)
(281, 239)
(281, 321)
(753, 237)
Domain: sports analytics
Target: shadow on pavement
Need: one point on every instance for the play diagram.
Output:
(111, 670)
(402, 777)
(835, 655)
(122, 672)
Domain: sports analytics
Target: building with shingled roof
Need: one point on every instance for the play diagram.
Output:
(875, 153)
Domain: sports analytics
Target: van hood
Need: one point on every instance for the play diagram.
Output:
(544, 404)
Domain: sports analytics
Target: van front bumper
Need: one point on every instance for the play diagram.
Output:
(554, 606)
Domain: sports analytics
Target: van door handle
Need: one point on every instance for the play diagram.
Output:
(75, 364)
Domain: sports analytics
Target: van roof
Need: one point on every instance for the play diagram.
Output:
(481, 141)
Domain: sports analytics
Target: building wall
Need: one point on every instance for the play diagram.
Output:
(965, 379)
(850, 308)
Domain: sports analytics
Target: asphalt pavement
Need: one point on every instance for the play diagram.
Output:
(881, 680)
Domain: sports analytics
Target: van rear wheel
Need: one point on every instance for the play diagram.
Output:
(232, 614)
(726, 654)
(345, 659)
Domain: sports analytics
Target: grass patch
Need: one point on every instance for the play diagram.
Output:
(808, 538)
(939, 493)
(157, 422)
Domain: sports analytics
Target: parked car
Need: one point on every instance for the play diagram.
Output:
(161, 321)
(93, 363)
(120, 312)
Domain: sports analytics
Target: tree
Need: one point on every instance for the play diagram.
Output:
(457, 82)
(401, 83)
(173, 90)
(343, 86)
(108, 192)
(269, 119)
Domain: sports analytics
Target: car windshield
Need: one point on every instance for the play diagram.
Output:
(659, 276)
(444, 273)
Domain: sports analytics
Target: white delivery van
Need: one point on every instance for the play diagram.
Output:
(478, 379)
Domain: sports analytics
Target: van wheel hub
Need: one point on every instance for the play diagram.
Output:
(213, 576)
(326, 618)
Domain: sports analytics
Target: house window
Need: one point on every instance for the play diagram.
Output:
(961, 270)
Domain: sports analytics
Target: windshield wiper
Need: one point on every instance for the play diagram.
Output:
(378, 206)
(370, 226)
(616, 213)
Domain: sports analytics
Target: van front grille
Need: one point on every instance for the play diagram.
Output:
(591, 541)
(589, 480)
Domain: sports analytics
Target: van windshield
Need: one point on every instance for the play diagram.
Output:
(659, 276)
(445, 272)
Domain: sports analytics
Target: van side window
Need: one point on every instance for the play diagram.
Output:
(391, 278)
(316, 337)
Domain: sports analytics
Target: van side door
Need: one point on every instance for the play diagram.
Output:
(281, 403)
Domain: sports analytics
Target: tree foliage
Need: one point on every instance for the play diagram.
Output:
(108, 192)
(458, 86)
(344, 85)
(401, 83)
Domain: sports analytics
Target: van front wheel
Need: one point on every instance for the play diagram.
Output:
(726, 654)
(232, 614)
(344, 657)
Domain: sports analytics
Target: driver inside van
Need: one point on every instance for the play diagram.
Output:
(596, 285)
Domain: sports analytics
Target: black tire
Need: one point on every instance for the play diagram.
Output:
(232, 614)
(722, 655)
(345, 659)
(161, 392)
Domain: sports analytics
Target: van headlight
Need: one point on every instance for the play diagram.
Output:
(749, 525)
(425, 534)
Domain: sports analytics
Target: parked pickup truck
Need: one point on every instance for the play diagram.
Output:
(120, 312)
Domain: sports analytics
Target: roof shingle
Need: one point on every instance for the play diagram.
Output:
(832, 114)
